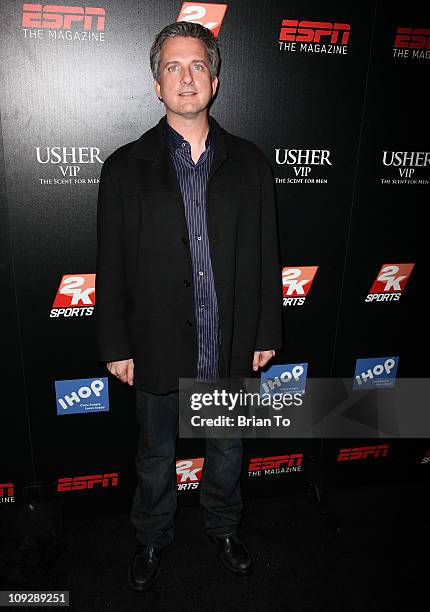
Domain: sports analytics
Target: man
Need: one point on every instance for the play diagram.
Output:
(188, 286)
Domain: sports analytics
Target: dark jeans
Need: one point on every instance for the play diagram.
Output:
(154, 503)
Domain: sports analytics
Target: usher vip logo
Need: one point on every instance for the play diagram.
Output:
(301, 163)
(76, 296)
(68, 160)
(412, 43)
(79, 483)
(375, 451)
(63, 22)
(314, 36)
(296, 283)
(7, 490)
(82, 395)
(375, 372)
(406, 166)
(188, 473)
(208, 15)
(390, 283)
(278, 464)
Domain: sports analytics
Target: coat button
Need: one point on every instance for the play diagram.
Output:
(189, 323)
(184, 240)
(187, 283)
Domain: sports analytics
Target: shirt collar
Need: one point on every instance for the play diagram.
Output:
(175, 140)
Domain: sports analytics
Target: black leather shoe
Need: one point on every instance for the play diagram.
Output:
(234, 553)
(144, 568)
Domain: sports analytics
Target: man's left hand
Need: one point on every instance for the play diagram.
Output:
(261, 358)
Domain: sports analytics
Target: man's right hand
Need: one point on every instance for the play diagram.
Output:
(124, 370)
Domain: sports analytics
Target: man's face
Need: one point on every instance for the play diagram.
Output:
(185, 84)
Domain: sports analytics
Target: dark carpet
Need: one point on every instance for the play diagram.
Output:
(364, 551)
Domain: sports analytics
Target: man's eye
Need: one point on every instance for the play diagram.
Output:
(172, 68)
(198, 66)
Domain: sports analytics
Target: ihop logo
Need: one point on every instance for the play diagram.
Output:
(375, 372)
(82, 395)
(288, 378)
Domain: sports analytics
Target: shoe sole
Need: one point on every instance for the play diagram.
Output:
(236, 571)
(145, 587)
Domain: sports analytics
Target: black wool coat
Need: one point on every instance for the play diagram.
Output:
(144, 287)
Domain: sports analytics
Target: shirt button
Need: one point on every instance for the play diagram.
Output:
(183, 144)
(199, 237)
(187, 283)
(189, 323)
(201, 272)
(202, 305)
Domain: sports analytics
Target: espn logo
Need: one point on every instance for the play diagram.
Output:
(269, 463)
(188, 473)
(58, 17)
(296, 283)
(412, 38)
(294, 30)
(76, 483)
(208, 15)
(390, 282)
(363, 452)
(6, 490)
(75, 296)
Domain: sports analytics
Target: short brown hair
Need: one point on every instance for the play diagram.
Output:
(185, 28)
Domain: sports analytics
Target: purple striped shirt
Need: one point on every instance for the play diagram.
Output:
(193, 181)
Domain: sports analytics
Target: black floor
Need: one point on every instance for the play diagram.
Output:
(365, 554)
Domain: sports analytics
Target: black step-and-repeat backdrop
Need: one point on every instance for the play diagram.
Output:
(334, 94)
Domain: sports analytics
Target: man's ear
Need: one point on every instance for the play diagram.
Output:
(157, 89)
(214, 85)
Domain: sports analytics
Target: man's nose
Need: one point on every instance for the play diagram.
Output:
(187, 76)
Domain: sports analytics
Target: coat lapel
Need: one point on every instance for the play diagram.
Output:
(151, 146)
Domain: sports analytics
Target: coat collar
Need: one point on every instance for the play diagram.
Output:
(152, 146)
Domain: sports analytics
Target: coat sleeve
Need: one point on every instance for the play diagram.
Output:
(112, 334)
(269, 333)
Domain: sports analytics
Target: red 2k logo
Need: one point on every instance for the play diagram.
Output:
(392, 278)
(208, 15)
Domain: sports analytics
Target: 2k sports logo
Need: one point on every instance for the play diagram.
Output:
(208, 15)
(75, 297)
(58, 17)
(188, 473)
(424, 460)
(390, 282)
(296, 283)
